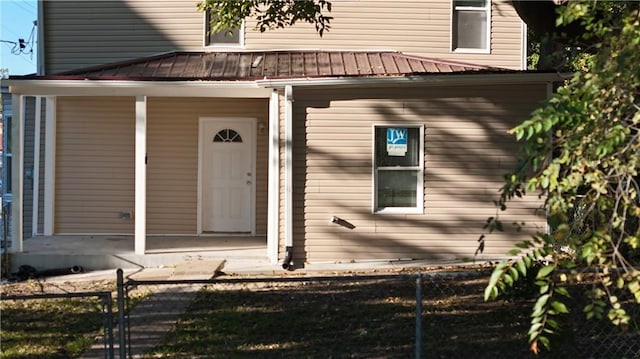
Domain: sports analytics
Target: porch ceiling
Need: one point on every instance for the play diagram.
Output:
(261, 65)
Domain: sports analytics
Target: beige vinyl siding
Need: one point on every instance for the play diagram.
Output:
(172, 169)
(43, 121)
(86, 33)
(413, 26)
(94, 164)
(29, 140)
(467, 150)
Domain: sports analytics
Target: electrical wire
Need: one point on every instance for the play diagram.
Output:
(22, 46)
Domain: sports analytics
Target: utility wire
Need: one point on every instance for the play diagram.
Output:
(23, 46)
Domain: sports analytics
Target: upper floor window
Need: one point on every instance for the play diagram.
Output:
(222, 38)
(470, 27)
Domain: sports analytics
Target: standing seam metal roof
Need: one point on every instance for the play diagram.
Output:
(257, 65)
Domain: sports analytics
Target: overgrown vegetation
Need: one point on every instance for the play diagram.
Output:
(581, 151)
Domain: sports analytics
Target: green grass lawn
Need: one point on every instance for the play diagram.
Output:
(49, 328)
(353, 318)
(364, 319)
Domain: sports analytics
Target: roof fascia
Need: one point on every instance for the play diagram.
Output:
(245, 89)
(260, 88)
(421, 80)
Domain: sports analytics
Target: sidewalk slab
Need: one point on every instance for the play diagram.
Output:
(158, 312)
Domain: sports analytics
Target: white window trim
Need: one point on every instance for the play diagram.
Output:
(463, 50)
(220, 45)
(419, 208)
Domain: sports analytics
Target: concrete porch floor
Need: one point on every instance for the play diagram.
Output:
(117, 251)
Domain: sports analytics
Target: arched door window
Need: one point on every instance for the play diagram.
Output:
(227, 135)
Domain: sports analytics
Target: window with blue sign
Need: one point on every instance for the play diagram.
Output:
(398, 169)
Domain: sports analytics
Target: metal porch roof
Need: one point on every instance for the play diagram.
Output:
(258, 65)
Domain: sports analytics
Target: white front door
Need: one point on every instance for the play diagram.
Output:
(227, 174)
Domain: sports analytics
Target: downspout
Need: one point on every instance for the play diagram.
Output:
(288, 176)
(524, 46)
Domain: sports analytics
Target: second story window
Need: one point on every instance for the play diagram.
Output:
(222, 38)
(470, 26)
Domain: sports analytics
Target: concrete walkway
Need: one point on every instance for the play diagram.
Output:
(157, 313)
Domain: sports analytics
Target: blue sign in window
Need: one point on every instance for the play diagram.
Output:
(397, 141)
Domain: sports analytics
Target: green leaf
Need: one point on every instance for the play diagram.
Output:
(497, 273)
(544, 288)
(513, 272)
(559, 307)
(545, 341)
(541, 302)
(562, 291)
(534, 328)
(522, 268)
(514, 252)
(545, 271)
(553, 324)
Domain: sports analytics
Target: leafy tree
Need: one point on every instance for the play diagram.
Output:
(581, 151)
(269, 14)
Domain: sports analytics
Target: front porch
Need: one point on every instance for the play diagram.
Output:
(117, 251)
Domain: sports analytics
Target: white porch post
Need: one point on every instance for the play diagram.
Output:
(17, 171)
(274, 179)
(288, 166)
(141, 176)
(49, 165)
(36, 167)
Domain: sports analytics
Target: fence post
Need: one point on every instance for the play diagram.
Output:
(121, 326)
(109, 323)
(419, 316)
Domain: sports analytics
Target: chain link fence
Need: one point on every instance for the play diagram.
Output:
(422, 315)
(57, 325)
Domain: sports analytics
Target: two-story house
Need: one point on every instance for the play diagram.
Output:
(386, 138)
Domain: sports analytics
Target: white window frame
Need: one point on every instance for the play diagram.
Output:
(419, 208)
(486, 8)
(205, 36)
